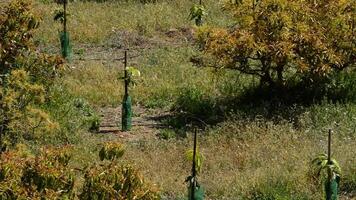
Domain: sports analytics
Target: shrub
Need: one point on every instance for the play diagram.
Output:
(49, 176)
(45, 176)
(115, 181)
(25, 77)
(193, 101)
(111, 151)
(167, 134)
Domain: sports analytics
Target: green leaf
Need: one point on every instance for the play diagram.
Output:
(197, 11)
(133, 71)
(198, 158)
(321, 164)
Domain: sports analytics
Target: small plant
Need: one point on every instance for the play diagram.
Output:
(92, 119)
(197, 12)
(94, 125)
(129, 73)
(166, 134)
(327, 171)
(132, 73)
(323, 167)
(111, 151)
(195, 190)
(60, 15)
(198, 159)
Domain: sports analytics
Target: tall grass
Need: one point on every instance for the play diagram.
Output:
(256, 161)
(91, 22)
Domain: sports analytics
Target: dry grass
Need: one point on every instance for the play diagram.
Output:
(95, 82)
(236, 168)
(91, 22)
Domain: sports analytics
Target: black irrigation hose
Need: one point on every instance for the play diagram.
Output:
(111, 59)
(177, 45)
(195, 118)
(174, 45)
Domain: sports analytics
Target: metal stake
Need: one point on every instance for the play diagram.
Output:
(329, 147)
(194, 166)
(65, 16)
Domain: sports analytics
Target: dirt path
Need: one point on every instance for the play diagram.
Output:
(145, 123)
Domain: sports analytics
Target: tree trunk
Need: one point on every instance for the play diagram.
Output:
(266, 80)
(280, 80)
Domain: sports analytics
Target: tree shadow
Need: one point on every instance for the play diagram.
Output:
(274, 104)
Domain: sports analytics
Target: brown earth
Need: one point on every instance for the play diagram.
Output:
(145, 123)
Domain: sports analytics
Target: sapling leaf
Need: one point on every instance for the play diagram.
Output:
(133, 72)
(336, 166)
(59, 15)
(320, 158)
(197, 11)
(321, 164)
(198, 158)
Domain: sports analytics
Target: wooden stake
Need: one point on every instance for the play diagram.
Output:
(126, 75)
(329, 147)
(65, 15)
(330, 174)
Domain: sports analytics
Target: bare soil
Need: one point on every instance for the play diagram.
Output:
(145, 123)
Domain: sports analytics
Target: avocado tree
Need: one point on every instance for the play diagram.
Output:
(195, 190)
(328, 171)
(129, 74)
(61, 15)
(197, 12)
(271, 39)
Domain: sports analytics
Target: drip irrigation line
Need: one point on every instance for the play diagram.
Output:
(173, 45)
(110, 59)
(196, 118)
(178, 45)
(88, 46)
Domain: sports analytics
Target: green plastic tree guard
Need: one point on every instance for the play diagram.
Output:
(331, 189)
(126, 113)
(65, 45)
(198, 193)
